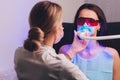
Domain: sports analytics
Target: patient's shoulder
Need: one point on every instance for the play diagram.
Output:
(63, 49)
(112, 51)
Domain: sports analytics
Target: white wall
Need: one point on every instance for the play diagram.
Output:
(13, 27)
(14, 24)
(111, 8)
(69, 8)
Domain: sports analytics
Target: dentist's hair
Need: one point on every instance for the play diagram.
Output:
(43, 19)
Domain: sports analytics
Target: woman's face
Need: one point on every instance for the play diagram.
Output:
(59, 31)
(88, 21)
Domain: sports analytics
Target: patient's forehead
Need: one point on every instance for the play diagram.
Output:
(87, 13)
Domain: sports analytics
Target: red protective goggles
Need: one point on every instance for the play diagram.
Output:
(91, 22)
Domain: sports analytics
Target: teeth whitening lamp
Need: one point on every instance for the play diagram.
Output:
(86, 25)
(81, 31)
(82, 36)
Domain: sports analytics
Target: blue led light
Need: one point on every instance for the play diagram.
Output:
(86, 28)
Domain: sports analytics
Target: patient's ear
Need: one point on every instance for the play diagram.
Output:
(98, 27)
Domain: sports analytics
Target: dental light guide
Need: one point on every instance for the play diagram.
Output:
(82, 36)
